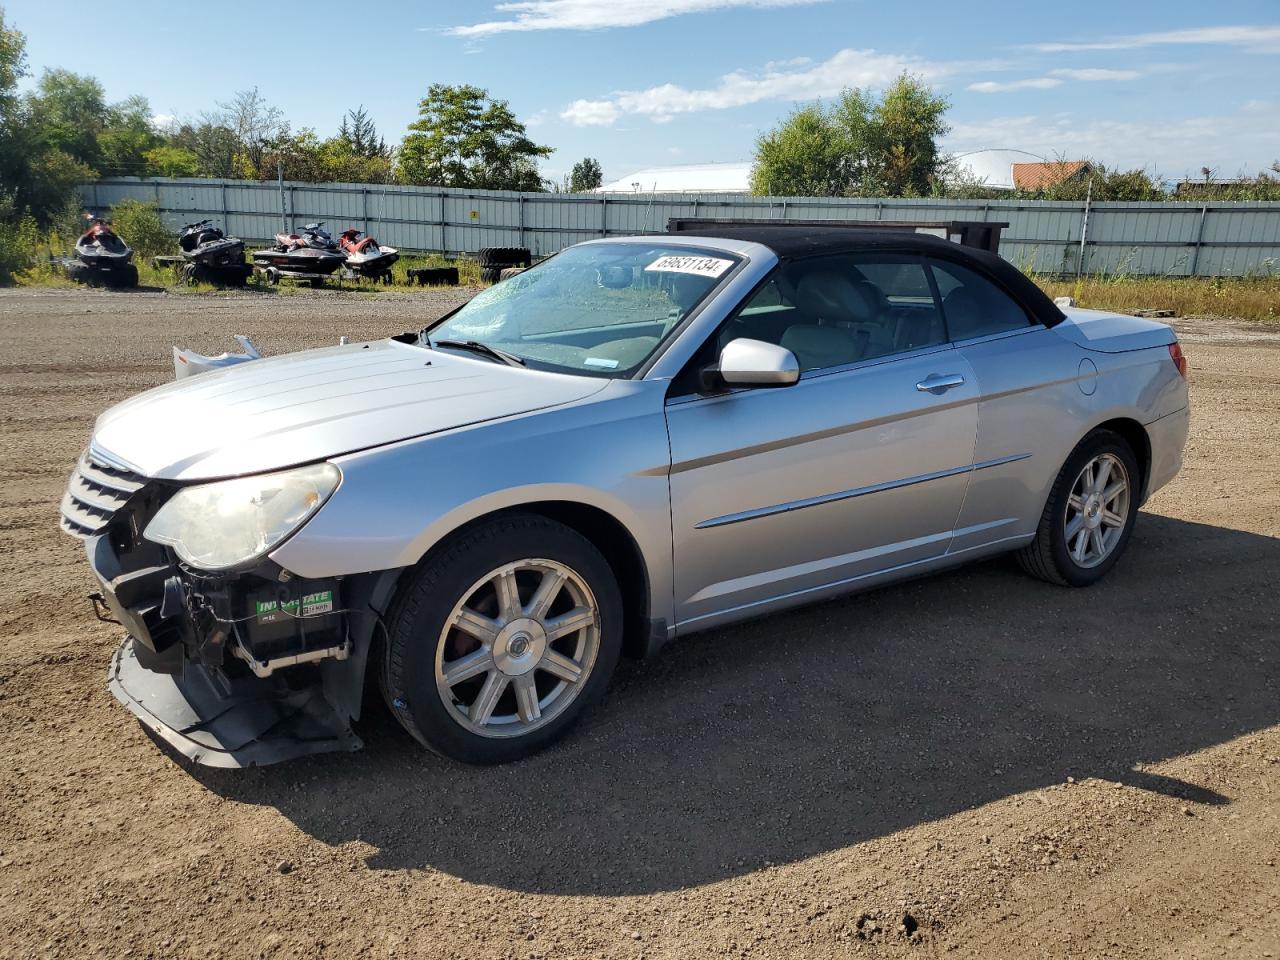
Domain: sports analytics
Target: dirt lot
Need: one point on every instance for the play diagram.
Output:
(1014, 769)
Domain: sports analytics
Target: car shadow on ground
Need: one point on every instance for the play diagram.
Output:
(809, 731)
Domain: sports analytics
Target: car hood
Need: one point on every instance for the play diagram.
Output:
(273, 413)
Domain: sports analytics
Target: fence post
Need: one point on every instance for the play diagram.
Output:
(364, 207)
(226, 212)
(1084, 229)
(444, 228)
(284, 222)
(604, 215)
(1195, 252)
(521, 209)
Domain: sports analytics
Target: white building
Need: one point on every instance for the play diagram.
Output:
(734, 177)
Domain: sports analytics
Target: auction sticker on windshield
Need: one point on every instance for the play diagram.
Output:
(699, 266)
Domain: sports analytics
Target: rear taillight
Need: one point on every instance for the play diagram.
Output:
(1179, 361)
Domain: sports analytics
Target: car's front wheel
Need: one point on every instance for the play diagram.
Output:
(1089, 516)
(500, 640)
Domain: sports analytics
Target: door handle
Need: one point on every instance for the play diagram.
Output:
(938, 384)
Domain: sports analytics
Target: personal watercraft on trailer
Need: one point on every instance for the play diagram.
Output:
(102, 257)
(310, 255)
(211, 256)
(365, 256)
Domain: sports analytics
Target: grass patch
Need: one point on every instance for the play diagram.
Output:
(1246, 298)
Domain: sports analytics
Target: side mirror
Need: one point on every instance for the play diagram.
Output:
(752, 363)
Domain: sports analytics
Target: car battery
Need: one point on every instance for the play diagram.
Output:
(291, 618)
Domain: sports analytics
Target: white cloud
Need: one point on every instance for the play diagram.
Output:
(1246, 139)
(163, 121)
(1031, 83)
(1054, 79)
(847, 68)
(591, 113)
(1253, 37)
(1096, 74)
(524, 15)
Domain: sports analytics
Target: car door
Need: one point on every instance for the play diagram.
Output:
(860, 467)
(1028, 409)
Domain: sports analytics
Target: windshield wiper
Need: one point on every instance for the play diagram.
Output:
(475, 346)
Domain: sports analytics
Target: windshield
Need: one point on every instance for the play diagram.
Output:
(596, 308)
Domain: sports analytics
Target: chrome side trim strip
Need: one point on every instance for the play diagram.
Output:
(739, 612)
(856, 492)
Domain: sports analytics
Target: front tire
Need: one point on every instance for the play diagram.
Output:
(498, 643)
(1089, 516)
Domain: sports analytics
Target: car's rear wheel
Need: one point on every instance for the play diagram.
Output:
(1089, 516)
(500, 641)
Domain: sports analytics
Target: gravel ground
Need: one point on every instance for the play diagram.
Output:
(976, 764)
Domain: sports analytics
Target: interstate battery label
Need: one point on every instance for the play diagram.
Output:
(309, 605)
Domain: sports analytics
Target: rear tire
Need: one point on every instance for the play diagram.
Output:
(1083, 531)
(524, 653)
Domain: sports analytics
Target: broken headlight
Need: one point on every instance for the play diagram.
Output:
(229, 523)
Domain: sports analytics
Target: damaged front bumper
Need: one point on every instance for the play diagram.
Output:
(231, 669)
(218, 723)
(239, 670)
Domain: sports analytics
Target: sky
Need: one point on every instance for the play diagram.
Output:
(1171, 87)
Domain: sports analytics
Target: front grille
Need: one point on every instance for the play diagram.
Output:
(98, 489)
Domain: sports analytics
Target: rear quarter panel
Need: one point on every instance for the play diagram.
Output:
(1041, 394)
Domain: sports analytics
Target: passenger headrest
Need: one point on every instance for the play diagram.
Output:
(816, 346)
(831, 296)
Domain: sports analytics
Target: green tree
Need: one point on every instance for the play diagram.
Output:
(141, 227)
(907, 123)
(339, 163)
(49, 185)
(462, 138)
(170, 161)
(298, 154)
(586, 175)
(13, 59)
(862, 145)
(69, 112)
(257, 126)
(126, 138)
(13, 67)
(37, 181)
(213, 144)
(804, 157)
(359, 135)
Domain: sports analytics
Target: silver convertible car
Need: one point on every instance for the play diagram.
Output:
(634, 440)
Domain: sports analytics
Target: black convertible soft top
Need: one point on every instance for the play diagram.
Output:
(798, 242)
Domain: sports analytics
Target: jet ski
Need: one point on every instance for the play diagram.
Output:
(365, 257)
(211, 256)
(310, 255)
(102, 257)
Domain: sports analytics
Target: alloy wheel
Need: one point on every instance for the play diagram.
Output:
(517, 648)
(1097, 510)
